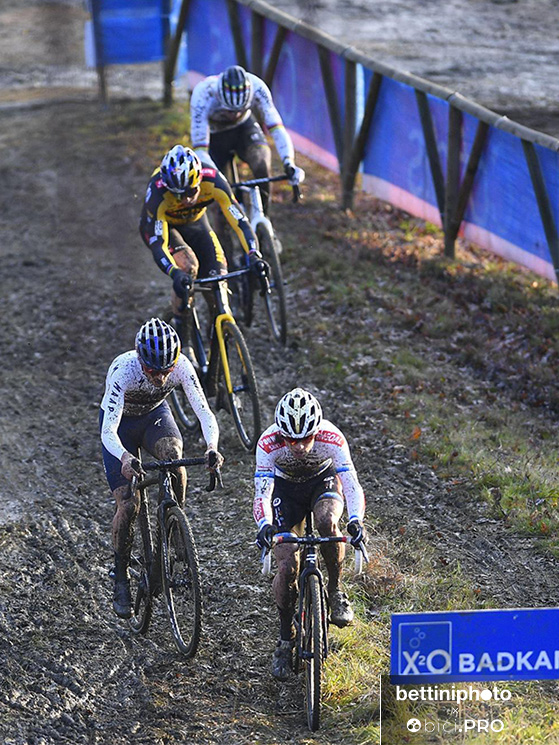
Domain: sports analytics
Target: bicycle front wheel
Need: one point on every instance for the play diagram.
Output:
(274, 300)
(141, 560)
(313, 649)
(181, 581)
(238, 384)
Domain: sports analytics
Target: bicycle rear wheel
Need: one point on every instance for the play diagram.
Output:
(141, 560)
(274, 300)
(240, 390)
(313, 648)
(181, 581)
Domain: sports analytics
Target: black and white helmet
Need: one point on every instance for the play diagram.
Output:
(158, 345)
(298, 414)
(234, 88)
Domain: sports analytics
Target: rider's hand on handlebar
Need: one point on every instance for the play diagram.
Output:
(356, 531)
(257, 263)
(182, 284)
(215, 459)
(265, 535)
(296, 175)
(131, 466)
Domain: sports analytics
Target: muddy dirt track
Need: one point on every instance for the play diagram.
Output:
(76, 284)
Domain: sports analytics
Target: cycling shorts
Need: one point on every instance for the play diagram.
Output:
(292, 500)
(137, 432)
(201, 238)
(223, 145)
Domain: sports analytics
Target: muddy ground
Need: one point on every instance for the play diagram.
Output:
(76, 284)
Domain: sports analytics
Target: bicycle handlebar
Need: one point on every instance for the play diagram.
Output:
(251, 183)
(221, 277)
(200, 460)
(310, 540)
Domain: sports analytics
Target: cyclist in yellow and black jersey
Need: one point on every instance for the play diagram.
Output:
(175, 226)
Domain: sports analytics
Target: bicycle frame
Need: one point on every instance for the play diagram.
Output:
(310, 567)
(225, 370)
(155, 567)
(256, 214)
(209, 362)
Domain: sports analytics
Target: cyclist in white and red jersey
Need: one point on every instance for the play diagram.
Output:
(135, 414)
(303, 462)
(225, 111)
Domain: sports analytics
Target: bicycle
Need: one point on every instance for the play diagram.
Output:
(270, 248)
(311, 615)
(225, 369)
(167, 558)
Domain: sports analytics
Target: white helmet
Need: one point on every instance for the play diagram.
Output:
(298, 414)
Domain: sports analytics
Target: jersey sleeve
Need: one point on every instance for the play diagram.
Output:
(263, 486)
(270, 116)
(154, 228)
(198, 401)
(199, 117)
(343, 463)
(113, 408)
(233, 213)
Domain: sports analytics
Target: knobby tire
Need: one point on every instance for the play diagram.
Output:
(181, 581)
(313, 650)
(141, 562)
(276, 311)
(243, 403)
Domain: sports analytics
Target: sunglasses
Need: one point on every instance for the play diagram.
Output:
(187, 193)
(298, 440)
(153, 371)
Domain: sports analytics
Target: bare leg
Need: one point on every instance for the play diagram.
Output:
(285, 586)
(170, 448)
(327, 514)
(126, 509)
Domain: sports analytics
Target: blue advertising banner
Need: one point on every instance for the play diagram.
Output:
(517, 644)
(126, 31)
(210, 41)
(502, 214)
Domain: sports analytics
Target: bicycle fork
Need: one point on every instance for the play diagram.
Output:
(299, 619)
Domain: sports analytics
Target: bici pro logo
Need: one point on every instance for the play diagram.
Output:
(425, 648)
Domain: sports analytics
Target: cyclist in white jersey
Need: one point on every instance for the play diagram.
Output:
(225, 111)
(303, 462)
(135, 414)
